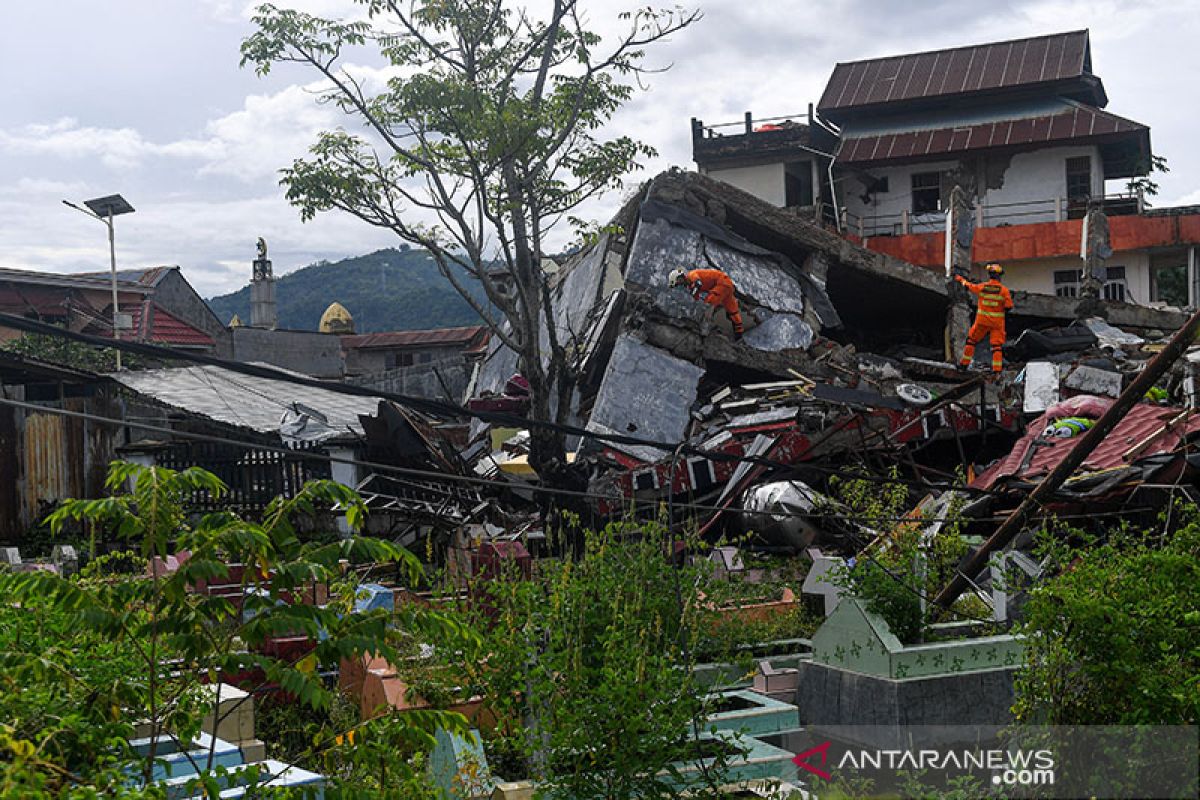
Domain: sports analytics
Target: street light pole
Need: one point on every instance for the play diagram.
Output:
(104, 209)
(112, 262)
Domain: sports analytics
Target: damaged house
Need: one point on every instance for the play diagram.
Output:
(843, 351)
(1021, 126)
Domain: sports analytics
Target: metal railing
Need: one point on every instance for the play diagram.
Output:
(989, 215)
(748, 124)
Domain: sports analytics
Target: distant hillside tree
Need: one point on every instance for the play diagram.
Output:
(491, 125)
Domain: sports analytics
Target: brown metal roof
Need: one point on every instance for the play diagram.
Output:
(437, 336)
(961, 70)
(1076, 123)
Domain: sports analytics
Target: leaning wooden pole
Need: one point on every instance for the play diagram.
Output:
(1077, 455)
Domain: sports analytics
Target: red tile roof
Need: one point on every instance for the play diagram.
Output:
(1077, 123)
(164, 328)
(1143, 420)
(467, 337)
(961, 70)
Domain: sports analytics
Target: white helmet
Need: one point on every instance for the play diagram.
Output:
(678, 277)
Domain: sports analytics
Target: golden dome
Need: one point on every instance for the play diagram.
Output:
(337, 319)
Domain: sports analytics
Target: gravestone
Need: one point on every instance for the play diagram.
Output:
(819, 580)
(459, 766)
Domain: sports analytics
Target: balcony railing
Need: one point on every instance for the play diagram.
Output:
(989, 215)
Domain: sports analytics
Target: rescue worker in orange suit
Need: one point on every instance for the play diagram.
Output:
(716, 288)
(993, 300)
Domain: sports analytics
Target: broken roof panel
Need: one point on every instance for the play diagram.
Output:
(1145, 431)
(244, 401)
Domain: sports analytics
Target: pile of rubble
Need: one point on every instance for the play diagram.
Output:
(843, 364)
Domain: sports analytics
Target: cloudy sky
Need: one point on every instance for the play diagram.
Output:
(145, 98)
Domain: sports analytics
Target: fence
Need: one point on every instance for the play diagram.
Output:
(989, 215)
(253, 477)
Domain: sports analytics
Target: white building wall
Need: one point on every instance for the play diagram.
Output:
(884, 214)
(764, 181)
(1032, 182)
(1037, 276)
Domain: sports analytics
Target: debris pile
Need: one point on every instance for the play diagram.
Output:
(842, 367)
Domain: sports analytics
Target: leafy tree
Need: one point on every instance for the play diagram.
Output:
(491, 123)
(1144, 182)
(69, 353)
(587, 668)
(1114, 637)
(102, 651)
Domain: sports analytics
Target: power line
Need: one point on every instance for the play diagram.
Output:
(475, 480)
(435, 407)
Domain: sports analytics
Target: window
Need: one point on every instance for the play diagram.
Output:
(1079, 178)
(1169, 278)
(1066, 283)
(393, 360)
(798, 184)
(424, 358)
(926, 192)
(1114, 284)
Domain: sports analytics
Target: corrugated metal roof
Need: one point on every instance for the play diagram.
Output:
(88, 281)
(242, 400)
(1076, 123)
(146, 277)
(438, 336)
(960, 70)
(1142, 421)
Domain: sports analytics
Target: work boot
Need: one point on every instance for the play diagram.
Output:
(963, 367)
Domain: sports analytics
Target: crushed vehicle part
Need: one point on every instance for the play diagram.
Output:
(775, 511)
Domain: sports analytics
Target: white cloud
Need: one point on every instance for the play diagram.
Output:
(206, 189)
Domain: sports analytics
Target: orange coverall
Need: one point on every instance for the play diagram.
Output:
(993, 300)
(719, 287)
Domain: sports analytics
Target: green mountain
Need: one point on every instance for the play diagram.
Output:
(388, 290)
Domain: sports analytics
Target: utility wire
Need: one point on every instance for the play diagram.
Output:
(433, 475)
(434, 407)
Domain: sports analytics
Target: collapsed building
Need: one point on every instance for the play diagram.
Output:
(844, 354)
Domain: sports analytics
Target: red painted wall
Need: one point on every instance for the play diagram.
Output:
(1041, 240)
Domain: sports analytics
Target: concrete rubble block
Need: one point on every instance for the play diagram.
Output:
(780, 332)
(1041, 386)
(10, 556)
(1091, 380)
(233, 717)
(1109, 336)
(646, 392)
